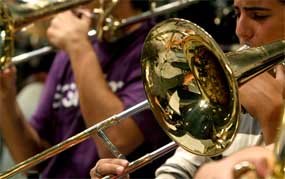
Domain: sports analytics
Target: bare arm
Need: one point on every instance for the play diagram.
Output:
(19, 136)
(262, 97)
(97, 101)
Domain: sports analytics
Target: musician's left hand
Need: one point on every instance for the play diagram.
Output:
(112, 166)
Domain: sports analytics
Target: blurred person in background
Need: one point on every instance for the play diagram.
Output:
(31, 77)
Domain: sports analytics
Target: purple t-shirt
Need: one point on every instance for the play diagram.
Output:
(58, 116)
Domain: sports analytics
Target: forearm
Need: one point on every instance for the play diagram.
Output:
(270, 121)
(19, 136)
(262, 98)
(97, 100)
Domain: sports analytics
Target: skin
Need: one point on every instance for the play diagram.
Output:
(256, 20)
(111, 166)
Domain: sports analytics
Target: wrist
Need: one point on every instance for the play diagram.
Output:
(78, 47)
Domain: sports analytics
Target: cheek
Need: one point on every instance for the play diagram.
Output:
(279, 27)
(269, 32)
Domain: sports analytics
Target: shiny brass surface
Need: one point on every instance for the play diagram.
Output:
(113, 29)
(76, 139)
(190, 87)
(110, 27)
(16, 16)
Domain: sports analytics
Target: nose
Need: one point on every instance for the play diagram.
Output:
(244, 29)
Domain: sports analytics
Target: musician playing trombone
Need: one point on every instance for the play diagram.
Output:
(258, 22)
(87, 83)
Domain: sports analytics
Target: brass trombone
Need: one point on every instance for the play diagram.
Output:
(191, 87)
(112, 26)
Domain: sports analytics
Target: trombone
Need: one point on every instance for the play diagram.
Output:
(113, 26)
(191, 87)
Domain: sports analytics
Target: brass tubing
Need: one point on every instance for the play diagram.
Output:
(148, 158)
(29, 55)
(23, 19)
(253, 61)
(66, 144)
(164, 9)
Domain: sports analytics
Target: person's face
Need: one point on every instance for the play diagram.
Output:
(259, 21)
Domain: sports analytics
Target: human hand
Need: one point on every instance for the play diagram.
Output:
(260, 157)
(67, 30)
(7, 85)
(263, 98)
(7, 92)
(106, 167)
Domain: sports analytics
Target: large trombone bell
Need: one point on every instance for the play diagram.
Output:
(191, 87)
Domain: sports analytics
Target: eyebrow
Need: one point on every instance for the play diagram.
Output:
(252, 8)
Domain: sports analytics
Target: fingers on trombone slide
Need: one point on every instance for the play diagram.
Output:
(105, 167)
